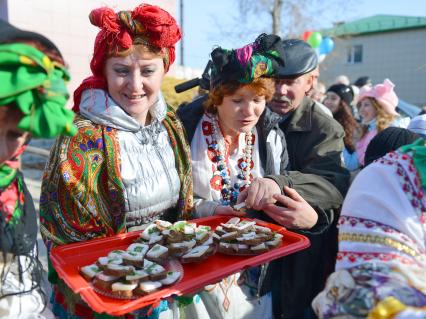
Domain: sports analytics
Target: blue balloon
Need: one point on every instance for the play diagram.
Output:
(326, 45)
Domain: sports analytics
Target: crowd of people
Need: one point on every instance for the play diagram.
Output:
(338, 165)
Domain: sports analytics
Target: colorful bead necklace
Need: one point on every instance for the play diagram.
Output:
(229, 193)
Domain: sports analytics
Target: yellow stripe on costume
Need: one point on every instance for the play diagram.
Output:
(387, 309)
(26, 60)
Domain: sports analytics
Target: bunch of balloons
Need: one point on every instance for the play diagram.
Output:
(323, 45)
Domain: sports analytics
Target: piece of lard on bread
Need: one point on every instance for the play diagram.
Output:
(196, 254)
(276, 241)
(137, 276)
(103, 281)
(245, 225)
(230, 236)
(147, 287)
(201, 236)
(123, 289)
(138, 248)
(132, 258)
(149, 231)
(90, 271)
(102, 262)
(156, 272)
(118, 270)
(241, 207)
(157, 253)
(116, 253)
(171, 278)
(258, 249)
(162, 224)
(182, 247)
(250, 238)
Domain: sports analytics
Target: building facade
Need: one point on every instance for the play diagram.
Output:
(381, 47)
(66, 23)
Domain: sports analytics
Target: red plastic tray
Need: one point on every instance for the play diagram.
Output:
(68, 259)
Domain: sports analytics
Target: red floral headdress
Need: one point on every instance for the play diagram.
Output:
(118, 30)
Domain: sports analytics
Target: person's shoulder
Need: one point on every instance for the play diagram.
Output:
(319, 107)
(190, 113)
(323, 121)
(193, 107)
(269, 120)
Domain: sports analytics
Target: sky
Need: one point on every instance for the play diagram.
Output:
(203, 20)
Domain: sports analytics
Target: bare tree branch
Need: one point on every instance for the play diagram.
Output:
(287, 18)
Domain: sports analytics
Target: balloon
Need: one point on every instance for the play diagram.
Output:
(315, 39)
(321, 58)
(326, 46)
(305, 35)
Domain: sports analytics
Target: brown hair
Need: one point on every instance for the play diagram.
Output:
(143, 47)
(383, 119)
(262, 86)
(350, 126)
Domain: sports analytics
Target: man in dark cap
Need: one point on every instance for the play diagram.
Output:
(315, 144)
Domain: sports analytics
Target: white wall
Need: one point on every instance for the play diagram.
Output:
(66, 23)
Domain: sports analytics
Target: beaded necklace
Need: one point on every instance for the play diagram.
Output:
(229, 193)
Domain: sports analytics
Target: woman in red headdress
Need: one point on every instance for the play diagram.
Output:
(129, 163)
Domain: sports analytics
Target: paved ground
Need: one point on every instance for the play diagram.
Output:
(33, 169)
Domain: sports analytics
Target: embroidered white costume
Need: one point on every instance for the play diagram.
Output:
(381, 264)
(235, 296)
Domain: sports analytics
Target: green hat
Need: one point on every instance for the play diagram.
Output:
(36, 85)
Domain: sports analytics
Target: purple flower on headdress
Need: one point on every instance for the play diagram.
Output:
(244, 54)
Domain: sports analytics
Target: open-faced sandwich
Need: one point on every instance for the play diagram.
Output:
(245, 237)
(132, 272)
(179, 239)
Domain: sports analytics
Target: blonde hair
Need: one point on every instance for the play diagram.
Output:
(383, 119)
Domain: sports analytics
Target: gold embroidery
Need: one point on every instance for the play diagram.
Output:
(378, 240)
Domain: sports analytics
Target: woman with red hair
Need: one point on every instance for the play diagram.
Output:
(129, 163)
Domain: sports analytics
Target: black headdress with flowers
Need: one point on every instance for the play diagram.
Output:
(244, 65)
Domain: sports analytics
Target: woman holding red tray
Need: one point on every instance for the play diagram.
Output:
(32, 104)
(235, 139)
(129, 163)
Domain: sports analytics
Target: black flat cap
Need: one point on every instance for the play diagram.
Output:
(299, 58)
(10, 33)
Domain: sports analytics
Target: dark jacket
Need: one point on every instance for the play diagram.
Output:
(191, 113)
(315, 143)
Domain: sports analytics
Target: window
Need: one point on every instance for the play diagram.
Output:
(3, 10)
(354, 54)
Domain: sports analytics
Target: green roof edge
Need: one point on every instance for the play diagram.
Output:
(376, 24)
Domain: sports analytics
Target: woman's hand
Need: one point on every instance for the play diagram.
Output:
(259, 193)
(296, 213)
(227, 210)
